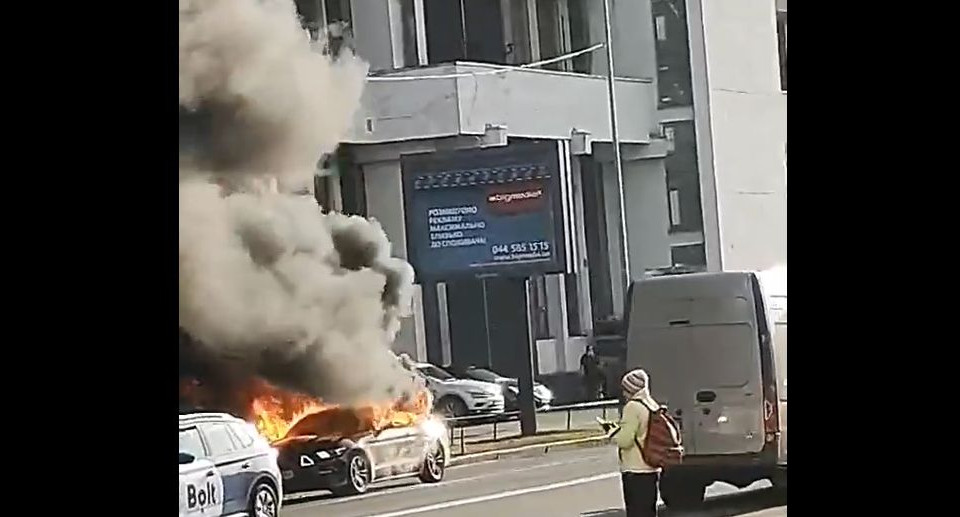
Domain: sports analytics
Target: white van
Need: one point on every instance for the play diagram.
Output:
(714, 360)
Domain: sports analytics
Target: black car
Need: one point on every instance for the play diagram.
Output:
(542, 396)
(311, 457)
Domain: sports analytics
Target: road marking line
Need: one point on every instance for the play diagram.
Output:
(512, 493)
(443, 484)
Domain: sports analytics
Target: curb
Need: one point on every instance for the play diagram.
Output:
(537, 449)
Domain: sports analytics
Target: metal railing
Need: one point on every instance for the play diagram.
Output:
(461, 424)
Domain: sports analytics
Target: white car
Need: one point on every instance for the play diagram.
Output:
(226, 468)
(455, 397)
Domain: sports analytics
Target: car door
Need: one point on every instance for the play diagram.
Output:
(392, 452)
(201, 487)
(252, 460)
(229, 459)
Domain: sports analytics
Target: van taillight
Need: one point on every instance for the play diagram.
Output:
(771, 414)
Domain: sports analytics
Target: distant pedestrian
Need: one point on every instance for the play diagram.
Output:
(640, 480)
(590, 374)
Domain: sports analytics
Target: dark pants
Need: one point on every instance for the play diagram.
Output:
(593, 387)
(640, 494)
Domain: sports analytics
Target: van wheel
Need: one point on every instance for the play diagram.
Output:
(682, 492)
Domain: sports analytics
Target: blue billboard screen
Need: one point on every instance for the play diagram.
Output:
(478, 212)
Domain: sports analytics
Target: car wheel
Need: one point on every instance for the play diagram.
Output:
(358, 475)
(452, 407)
(263, 501)
(681, 492)
(434, 465)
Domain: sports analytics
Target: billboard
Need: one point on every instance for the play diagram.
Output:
(495, 211)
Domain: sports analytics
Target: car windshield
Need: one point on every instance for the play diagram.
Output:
(482, 374)
(334, 423)
(432, 371)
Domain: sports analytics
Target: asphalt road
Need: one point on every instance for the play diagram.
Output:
(582, 482)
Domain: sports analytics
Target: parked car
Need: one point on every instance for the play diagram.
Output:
(542, 396)
(226, 468)
(455, 397)
(348, 465)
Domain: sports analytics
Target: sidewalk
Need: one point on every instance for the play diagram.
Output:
(538, 444)
(582, 421)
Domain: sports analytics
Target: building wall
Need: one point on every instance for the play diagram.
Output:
(632, 30)
(645, 199)
(424, 115)
(741, 123)
(645, 190)
(377, 25)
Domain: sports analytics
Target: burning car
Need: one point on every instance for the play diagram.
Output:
(342, 450)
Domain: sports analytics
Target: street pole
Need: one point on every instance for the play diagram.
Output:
(617, 162)
(525, 399)
(486, 322)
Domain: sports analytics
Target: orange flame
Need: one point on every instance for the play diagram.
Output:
(275, 412)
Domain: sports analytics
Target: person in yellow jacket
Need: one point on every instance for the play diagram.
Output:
(640, 480)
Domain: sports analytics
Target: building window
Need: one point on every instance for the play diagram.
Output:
(574, 322)
(689, 255)
(464, 30)
(553, 25)
(674, 203)
(580, 35)
(661, 28)
(683, 178)
(329, 18)
(541, 316)
(507, 31)
(782, 47)
(673, 53)
(409, 20)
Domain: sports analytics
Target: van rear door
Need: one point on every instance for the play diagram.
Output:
(725, 368)
(659, 341)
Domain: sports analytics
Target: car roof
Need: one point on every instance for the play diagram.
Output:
(197, 418)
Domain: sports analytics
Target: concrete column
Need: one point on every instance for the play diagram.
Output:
(557, 314)
(378, 32)
(444, 311)
(384, 190)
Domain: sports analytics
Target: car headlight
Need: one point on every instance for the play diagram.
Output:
(479, 393)
(331, 453)
(434, 428)
(514, 390)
